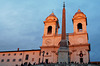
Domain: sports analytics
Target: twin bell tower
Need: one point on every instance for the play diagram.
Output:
(65, 47)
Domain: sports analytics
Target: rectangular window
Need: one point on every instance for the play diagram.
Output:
(20, 53)
(39, 60)
(33, 53)
(8, 60)
(27, 56)
(2, 60)
(16, 64)
(32, 59)
(14, 54)
(20, 59)
(8, 54)
(3, 55)
(14, 60)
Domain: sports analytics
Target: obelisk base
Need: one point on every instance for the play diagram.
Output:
(63, 55)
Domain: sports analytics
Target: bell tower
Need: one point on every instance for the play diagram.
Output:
(80, 22)
(51, 25)
(78, 40)
(51, 39)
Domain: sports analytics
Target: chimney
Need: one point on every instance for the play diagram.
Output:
(17, 49)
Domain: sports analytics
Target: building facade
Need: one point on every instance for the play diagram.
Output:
(16, 58)
(78, 44)
(78, 41)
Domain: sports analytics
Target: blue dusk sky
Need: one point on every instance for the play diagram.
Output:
(21, 22)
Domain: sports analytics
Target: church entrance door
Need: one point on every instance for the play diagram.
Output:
(46, 60)
(81, 60)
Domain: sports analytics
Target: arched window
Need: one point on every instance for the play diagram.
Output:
(79, 27)
(49, 29)
(27, 56)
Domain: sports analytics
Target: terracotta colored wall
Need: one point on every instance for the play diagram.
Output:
(77, 45)
(54, 40)
(17, 57)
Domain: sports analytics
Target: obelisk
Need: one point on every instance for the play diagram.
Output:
(63, 50)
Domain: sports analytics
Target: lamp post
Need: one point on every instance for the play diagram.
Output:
(43, 56)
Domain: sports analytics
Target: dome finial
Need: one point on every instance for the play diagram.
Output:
(79, 10)
(52, 13)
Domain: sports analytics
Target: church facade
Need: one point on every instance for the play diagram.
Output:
(78, 44)
(78, 40)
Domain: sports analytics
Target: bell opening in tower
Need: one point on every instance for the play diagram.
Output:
(49, 30)
(79, 26)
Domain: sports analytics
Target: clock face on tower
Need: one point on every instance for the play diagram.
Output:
(80, 40)
(48, 41)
